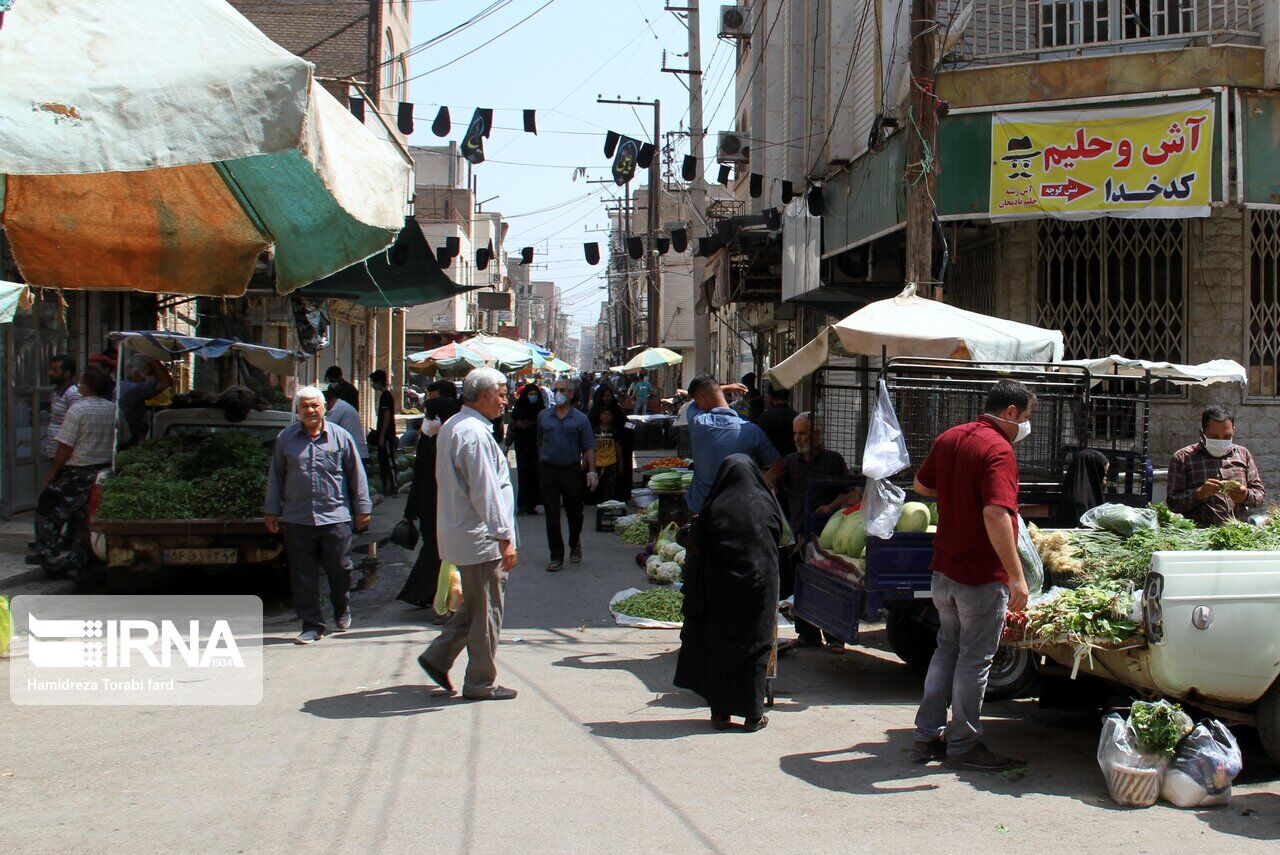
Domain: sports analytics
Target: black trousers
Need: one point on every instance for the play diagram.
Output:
(562, 485)
(313, 549)
(528, 495)
(387, 466)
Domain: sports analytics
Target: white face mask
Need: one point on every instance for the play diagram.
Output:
(431, 427)
(1024, 428)
(1218, 447)
(561, 399)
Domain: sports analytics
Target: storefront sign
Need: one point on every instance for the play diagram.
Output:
(1153, 161)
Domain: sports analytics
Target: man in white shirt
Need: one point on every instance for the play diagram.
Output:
(476, 530)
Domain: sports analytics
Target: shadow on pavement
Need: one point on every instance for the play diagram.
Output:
(654, 672)
(1256, 815)
(387, 702)
(665, 728)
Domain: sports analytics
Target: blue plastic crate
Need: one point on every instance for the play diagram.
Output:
(899, 567)
(831, 604)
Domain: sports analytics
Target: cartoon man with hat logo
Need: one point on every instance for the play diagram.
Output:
(1021, 153)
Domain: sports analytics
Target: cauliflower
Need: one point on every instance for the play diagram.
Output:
(668, 550)
(651, 566)
(679, 557)
(665, 573)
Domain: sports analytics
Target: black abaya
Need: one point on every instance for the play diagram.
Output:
(731, 592)
(420, 588)
(524, 436)
(1081, 487)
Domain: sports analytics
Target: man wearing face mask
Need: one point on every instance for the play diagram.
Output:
(972, 471)
(566, 445)
(1215, 480)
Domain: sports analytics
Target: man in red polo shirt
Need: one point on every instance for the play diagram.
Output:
(976, 572)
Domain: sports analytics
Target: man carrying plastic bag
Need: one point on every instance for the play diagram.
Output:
(977, 573)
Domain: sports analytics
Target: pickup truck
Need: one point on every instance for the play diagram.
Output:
(139, 554)
(1211, 622)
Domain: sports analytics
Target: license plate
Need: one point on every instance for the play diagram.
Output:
(227, 555)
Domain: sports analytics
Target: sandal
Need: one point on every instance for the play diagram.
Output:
(554, 566)
(755, 724)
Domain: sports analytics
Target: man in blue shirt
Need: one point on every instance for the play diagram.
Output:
(715, 432)
(566, 444)
(315, 487)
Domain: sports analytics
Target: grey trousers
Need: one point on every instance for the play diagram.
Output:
(972, 618)
(313, 549)
(476, 626)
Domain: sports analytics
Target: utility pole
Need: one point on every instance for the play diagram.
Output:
(922, 147)
(698, 188)
(653, 270)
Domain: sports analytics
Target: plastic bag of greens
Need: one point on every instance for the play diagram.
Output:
(1119, 519)
(1207, 761)
(881, 506)
(1133, 778)
(1032, 566)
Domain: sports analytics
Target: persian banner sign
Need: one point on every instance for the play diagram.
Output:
(1153, 161)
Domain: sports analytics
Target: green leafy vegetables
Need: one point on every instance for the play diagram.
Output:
(1098, 614)
(222, 475)
(1159, 726)
(654, 604)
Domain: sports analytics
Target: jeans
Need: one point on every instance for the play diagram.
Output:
(562, 484)
(476, 627)
(641, 407)
(313, 549)
(971, 619)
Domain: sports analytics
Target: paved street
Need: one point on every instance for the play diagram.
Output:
(351, 752)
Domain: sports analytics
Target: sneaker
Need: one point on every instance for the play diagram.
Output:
(343, 623)
(923, 751)
(497, 693)
(979, 759)
(307, 636)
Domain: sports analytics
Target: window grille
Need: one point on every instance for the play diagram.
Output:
(972, 285)
(1114, 286)
(1264, 304)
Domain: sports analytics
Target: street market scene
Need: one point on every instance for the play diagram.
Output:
(553, 426)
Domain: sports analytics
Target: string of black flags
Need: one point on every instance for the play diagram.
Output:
(628, 154)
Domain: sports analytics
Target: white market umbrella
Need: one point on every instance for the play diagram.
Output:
(649, 359)
(909, 325)
(162, 146)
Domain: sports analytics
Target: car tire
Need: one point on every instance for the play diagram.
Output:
(1268, 721)
(911, 629)
(1013, 673)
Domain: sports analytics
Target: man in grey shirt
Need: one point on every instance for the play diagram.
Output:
(476, 529)
(339, 412)
(315, 487)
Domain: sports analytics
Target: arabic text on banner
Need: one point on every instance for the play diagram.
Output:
(1152, 161)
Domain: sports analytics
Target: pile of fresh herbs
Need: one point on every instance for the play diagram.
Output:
(222, 475)
(1159, 726)
(1097, 614)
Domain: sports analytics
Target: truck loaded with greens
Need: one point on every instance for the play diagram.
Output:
(191, 496)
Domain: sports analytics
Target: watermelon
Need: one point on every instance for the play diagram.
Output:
(828, 537)
(915, 517)
(851, 538)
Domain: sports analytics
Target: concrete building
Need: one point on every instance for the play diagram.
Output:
(1186, 272)
(544, 309)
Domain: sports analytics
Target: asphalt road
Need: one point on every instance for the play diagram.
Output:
(350, 751)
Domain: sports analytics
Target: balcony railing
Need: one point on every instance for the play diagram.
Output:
(1020, 30)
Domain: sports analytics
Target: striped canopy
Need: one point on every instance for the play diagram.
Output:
(162, 146)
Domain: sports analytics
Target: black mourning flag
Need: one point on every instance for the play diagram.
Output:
(453, 245)
(530, 122)
(645, 159)
(357, 108)
(663, 244)
(757, 185)
(473, 141)
(443, 258)
(680, 240)
(482, 258)
(772, 219)
(624, 161)
(689, 170)
(788, 192)
(488, 120)
(591, 251)
(723, 177)
(404, 118)
(526, 255)
(442, 125)
(817, 204)
(611, 143)
(635, 247)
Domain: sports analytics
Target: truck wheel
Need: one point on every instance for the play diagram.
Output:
(1013, 672)
(1269, 721)
(912, 632)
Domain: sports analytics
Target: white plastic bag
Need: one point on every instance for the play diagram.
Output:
(882, 503)
(1032, 566)
(1119, 519)
(1133, 778)
(886, 451)
(1206, 763)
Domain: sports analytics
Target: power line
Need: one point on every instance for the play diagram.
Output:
(482, 45)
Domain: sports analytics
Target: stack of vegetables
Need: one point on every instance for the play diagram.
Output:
(664, 463)
(663, 560)
(222, 475)
(846, 532)
(632, 529)
(655, 604)
(663, 481)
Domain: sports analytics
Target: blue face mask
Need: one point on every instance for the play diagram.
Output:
(561, 399)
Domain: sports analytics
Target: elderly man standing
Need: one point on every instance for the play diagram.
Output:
(476, 530)
(566, 445)
(315, 487)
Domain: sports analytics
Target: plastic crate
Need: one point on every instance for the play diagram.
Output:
(605, 518)
(833, 605)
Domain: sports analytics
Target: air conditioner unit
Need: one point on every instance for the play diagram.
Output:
(732, 147)
(733, 22)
